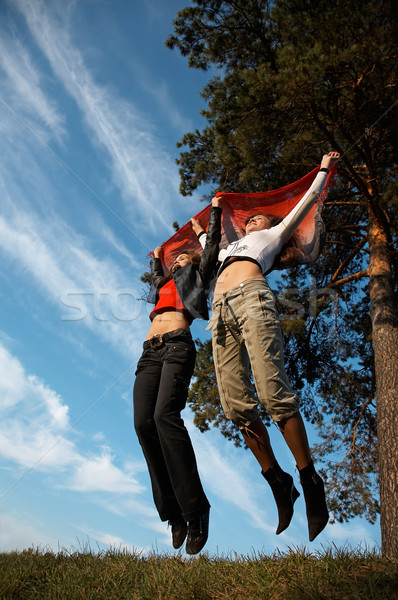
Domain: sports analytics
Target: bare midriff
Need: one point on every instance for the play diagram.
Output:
(234, 273)
(167, 321)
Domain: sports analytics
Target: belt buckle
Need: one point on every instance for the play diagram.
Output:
(156, 341)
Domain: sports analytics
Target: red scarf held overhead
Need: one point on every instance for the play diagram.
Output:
(236, 208)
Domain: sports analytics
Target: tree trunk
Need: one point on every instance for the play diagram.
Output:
(384, 317)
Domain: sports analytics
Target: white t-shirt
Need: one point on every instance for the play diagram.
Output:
(263, 246)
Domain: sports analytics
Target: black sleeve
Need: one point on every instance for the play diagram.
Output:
(210, 253)
(158, 279)
(157, 273)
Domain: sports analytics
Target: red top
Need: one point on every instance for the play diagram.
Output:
(169, 300)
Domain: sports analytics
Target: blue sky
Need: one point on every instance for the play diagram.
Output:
(91, 107)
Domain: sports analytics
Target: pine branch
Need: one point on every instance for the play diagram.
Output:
(348, 259)
(353, 277)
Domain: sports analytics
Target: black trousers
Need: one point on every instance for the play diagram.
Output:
(160, 393)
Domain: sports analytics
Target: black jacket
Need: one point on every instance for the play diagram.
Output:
(194, 281)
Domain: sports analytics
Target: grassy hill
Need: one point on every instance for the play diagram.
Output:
(117, 575)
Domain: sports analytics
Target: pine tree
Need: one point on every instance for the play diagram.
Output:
(291, 79)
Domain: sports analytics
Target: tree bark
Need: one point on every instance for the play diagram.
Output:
(384, 317)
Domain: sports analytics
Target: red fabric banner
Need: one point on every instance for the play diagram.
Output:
(237, 207)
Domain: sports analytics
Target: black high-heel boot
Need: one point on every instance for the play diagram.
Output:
(315, 500)
(179, 530)
(198, 531)
(284, 492)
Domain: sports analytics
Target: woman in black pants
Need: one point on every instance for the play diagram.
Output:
(161, 387)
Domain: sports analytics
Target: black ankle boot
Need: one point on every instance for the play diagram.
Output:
(284, 492)
(315, 500)
(179, 530)
(198, 531)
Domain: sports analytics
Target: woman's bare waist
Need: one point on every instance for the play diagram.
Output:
(236, 272)
(167, 321)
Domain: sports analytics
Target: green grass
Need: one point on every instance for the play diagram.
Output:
(335, 574)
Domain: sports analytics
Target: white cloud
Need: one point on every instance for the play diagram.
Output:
(16, 386)
(17, 534)
(24, 83)
(57, 411)
(12, 381)
(83, 287)
(98, 473)
(34, 426)
(138, 512)
(159, 91)
(111, 540)
(353, 534)
(21, 239)
(116, 243)
(142, 170)
(30, 444)
(34, 419)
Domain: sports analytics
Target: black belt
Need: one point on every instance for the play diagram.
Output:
(160, 338)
